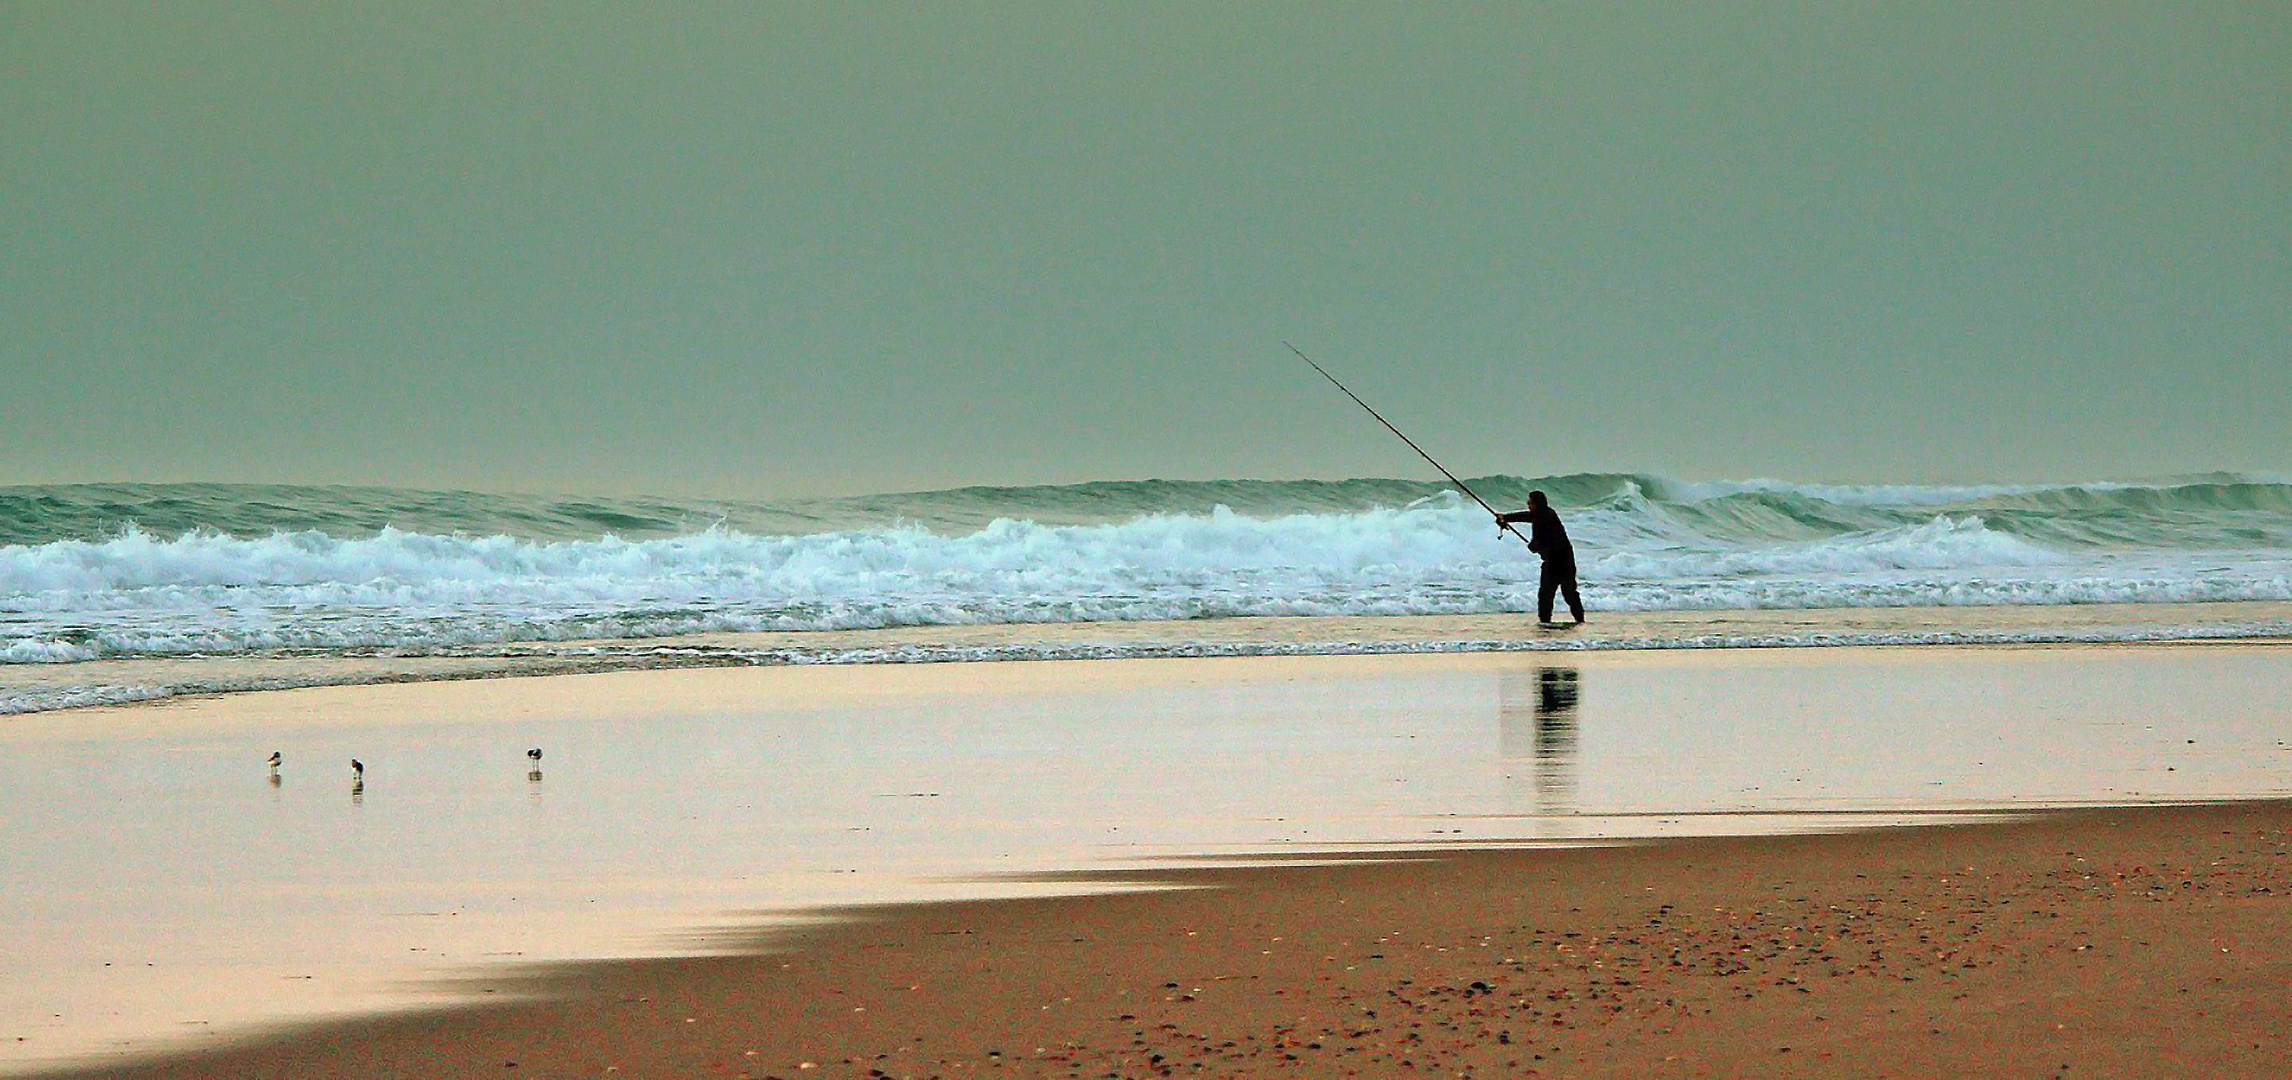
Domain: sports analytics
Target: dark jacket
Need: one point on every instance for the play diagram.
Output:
(1546, 537)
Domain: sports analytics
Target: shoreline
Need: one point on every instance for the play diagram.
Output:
(2041, 945)
(33, 689)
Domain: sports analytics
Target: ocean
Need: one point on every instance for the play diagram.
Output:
(255, 586)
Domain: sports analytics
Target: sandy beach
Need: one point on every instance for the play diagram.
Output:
(612, 541)
(692, 829)
(2119, 943)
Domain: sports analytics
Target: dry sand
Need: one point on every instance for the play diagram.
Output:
(2149, 942)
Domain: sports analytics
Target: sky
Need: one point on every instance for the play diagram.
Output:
(756, 250)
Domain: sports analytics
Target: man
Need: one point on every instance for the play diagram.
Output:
(1547, 539)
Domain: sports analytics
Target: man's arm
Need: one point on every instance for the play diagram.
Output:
(1529, 516)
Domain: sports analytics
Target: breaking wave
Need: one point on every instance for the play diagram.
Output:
(97, 571)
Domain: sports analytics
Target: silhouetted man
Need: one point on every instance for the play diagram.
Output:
(1547, 539)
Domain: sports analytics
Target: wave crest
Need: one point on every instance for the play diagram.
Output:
(376, 569)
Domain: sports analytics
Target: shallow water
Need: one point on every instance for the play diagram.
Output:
(161, 885)
(120, 679)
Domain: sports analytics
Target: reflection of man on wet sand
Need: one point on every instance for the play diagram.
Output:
(1549, 540)
(1555, 704)
(1538, 717)
(1555, 735)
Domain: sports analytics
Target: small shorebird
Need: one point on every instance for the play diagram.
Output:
(534, 756)
(275, 759)
(358, 768)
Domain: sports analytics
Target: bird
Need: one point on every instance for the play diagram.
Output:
(358, 768)
(534, 756)
(275, 759)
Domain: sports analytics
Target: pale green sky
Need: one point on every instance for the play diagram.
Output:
(748, 249)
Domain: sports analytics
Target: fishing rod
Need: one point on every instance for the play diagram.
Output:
(1460, 485)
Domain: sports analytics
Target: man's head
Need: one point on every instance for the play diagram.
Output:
(1536, 499)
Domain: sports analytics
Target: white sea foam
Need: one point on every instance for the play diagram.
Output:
(40, 651)
(16, 700)
(1219, 550)
(1380, 548)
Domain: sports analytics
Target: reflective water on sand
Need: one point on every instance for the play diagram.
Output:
(161, 881)
(38, 687)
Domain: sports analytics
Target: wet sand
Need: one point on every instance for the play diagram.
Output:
(2143, 942)
(165, 893)
(117, 680)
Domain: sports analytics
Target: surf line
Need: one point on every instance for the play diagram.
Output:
(1460, 485)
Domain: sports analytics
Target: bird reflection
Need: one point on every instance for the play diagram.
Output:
(1536, 714)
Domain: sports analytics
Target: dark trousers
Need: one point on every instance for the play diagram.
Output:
(1558, 577)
